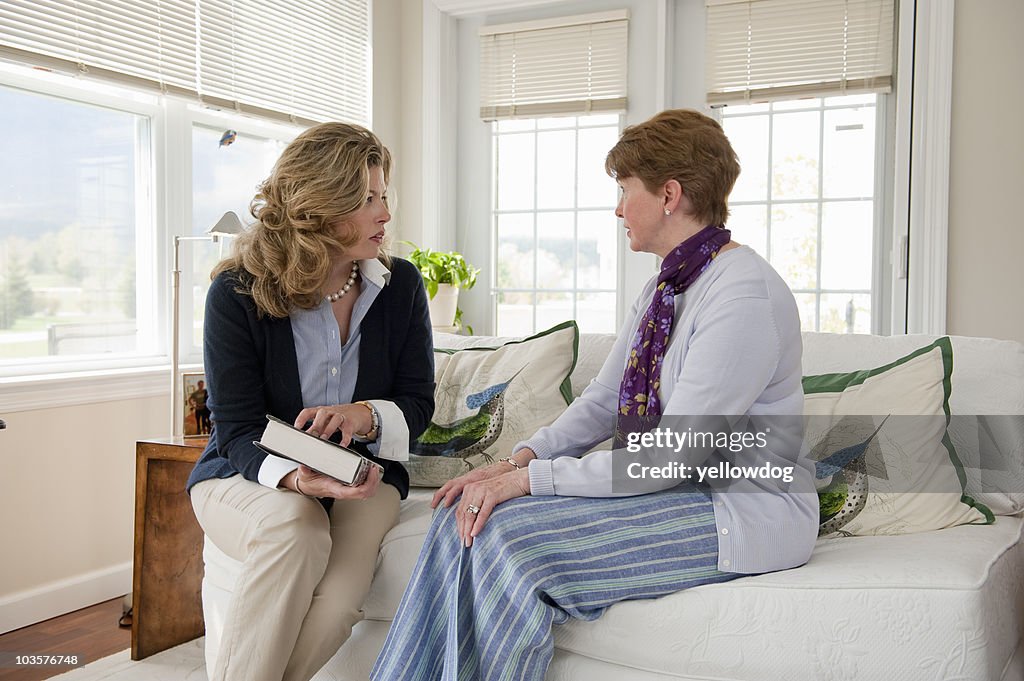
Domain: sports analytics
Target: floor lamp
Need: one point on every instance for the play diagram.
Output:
(228, 225)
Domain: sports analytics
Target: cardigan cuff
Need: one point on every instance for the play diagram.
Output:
(537, 445)
(542, 482)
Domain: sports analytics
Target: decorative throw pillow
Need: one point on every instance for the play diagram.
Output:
(885, 464)
(488, 398)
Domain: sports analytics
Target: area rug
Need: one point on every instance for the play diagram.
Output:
(181, 663)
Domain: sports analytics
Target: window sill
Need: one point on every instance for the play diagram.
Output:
(47, 391)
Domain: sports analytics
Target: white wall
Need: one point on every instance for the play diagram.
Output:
(986, 228)
(68, 504)
(397, 108)
(386, 118)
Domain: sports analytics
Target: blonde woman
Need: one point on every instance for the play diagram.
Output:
(312, 322)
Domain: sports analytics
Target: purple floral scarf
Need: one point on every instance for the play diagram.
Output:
(638, 393)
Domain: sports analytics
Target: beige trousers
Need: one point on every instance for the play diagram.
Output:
(304, 574)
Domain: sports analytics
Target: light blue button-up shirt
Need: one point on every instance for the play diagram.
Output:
(328, 368)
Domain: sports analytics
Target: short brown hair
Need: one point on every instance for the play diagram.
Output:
(686, 146)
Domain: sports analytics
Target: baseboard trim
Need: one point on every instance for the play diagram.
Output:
(63, 596)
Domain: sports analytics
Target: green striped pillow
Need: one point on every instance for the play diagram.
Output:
(912, 479)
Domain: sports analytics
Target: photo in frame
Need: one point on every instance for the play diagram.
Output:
(196, 421)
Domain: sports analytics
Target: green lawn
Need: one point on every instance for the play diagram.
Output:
(13, 346)
(24, 324)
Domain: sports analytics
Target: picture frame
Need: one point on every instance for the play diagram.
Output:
(195, 412)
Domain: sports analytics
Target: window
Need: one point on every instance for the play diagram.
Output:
(108, 153)
(555, 232)
(805, 200)
(808, 198)
(549, 88)
(80, 283)
(224, 177)
(75, 183)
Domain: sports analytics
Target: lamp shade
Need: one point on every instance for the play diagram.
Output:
(228, 225)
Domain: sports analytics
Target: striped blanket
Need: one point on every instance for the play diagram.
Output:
(486, 613)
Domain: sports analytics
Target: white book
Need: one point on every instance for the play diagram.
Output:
(341, 463)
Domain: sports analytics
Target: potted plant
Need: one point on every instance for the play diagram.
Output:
(444, 273)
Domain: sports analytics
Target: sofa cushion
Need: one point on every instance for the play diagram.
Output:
(987, 403)
(910, 607)
(488, 398)
(859, 608)
(908, 478)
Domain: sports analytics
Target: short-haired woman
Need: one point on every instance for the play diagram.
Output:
(312, 322)
(544, 536)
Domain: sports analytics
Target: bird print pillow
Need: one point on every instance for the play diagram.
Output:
(884, 462)
(488, 398)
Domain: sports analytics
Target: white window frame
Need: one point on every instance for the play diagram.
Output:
(47, 383)
(914, 268)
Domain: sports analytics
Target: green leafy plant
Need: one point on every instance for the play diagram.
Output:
(443, 267)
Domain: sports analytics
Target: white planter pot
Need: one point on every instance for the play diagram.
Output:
(443, 305)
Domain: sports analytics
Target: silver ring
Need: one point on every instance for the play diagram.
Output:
(473, 509)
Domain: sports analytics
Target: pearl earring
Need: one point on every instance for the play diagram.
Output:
(668, 212)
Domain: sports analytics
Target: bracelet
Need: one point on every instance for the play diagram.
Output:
(509, 459)
(371, 434)
(297, 488)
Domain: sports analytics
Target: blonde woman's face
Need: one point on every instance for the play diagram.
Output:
(368, 222)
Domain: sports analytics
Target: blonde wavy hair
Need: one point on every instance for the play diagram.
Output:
(321, 178)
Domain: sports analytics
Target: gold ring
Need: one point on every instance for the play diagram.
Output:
(473, 509)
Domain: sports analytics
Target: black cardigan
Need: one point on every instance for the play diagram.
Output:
(251, 371)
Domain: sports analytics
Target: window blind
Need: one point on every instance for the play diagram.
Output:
(574, 65)
(303, 60)
(763, 50)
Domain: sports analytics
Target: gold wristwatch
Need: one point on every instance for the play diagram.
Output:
(372, 433)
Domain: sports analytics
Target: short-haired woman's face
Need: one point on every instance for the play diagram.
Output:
(368, 222)
(642, 215)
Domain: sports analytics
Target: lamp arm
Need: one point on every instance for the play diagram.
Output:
(175, 291)
(227, 226)
(176, 421)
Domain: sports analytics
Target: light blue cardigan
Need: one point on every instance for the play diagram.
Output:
(735, 349)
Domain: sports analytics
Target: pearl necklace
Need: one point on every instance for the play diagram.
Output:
(332, 297)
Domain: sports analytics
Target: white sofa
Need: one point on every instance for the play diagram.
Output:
(938, 605)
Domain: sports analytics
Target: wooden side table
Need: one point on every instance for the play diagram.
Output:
(167, 574)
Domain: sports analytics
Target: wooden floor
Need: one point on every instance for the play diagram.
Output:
(90, 633)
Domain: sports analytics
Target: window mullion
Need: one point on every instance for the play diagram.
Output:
(576, 220)
(821, 210)
(768, 184)
(536, 236)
